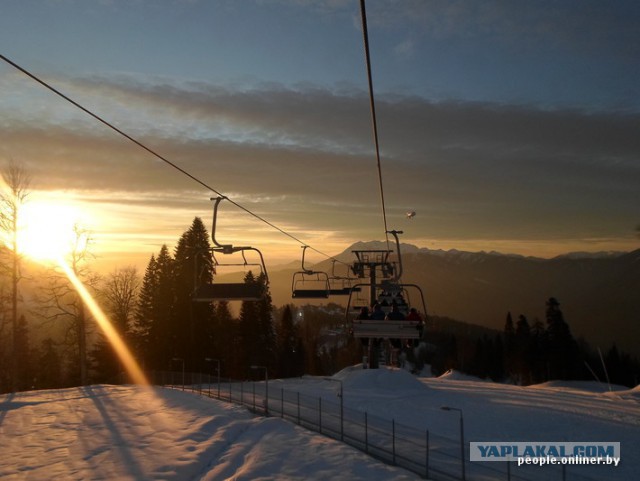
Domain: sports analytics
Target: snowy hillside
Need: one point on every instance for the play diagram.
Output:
(137, 433)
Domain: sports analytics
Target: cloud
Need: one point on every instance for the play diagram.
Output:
(303, 158)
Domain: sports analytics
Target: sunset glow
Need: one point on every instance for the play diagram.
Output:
(46, 230)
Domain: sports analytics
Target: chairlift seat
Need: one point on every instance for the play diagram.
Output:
(386, 329)
(231, 291)
(310, 293)
(345, 291)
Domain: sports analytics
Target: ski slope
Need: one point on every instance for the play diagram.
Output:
(106, 432)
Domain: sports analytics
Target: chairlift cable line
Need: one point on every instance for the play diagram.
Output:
(374, 122)
(156, 154)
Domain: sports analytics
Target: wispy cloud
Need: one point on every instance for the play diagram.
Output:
(304, 158)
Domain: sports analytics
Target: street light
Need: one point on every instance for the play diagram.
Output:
(266, 388)
(462, 458)
(208, 359)
(341, 396)
(182, 361)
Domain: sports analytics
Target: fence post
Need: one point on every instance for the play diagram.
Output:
(254, 396)
(393, 439)
(426, 464)
(298, 407)
(366, 433)
(282, 402)
(320, 415)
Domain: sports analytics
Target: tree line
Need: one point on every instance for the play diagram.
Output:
(527, 352)
(155, 315)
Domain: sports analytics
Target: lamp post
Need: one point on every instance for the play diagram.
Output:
(217, 361)
(341, 396)
(266, 388)
(462, 458)
(182, 361)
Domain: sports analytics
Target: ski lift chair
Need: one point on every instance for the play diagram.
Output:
(230, 291)
(309, 284)
(339, 285)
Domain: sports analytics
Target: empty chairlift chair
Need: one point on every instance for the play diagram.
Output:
(231, 291)
(309, 284)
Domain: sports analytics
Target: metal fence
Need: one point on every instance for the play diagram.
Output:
(418, 450)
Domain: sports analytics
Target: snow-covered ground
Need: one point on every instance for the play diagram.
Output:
(141, 433)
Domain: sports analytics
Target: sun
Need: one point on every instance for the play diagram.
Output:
(47, 230)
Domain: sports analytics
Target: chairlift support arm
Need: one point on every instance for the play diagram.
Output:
(395, 233)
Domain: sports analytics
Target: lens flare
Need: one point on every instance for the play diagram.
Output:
(131, 365)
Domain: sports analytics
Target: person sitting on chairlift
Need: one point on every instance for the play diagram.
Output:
(395, 314)
(378, 313)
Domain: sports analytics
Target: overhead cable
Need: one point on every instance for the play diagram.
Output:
(156, 154)
(363, 14)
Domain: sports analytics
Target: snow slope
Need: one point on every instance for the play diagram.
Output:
(141, 433)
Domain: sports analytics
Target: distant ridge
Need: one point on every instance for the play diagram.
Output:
(598, 292)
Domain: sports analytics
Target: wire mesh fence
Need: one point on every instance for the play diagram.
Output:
(416, 449)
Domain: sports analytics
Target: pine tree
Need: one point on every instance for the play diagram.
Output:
(225, 342)
(289, 345)
(145, 311)
(192, 267)
(509, 347)
(50, 366)
(153, 327)
(561, 348)
(256, 327)
(539, 366)
(523, 351)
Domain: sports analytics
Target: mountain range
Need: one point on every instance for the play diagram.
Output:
(599, 294)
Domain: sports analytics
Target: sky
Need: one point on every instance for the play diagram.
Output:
(508, 126)
(106, 432)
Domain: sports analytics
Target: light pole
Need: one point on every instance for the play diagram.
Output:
(182, 361)
(217, 361)
(266, 388)
(341, 396)
(462, 458)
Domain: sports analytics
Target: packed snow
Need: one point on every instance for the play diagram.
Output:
(106, 432)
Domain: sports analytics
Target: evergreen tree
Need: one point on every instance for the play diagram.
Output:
(290, 354)
(257, 335)
(225, 343)
(509, 329)
(523, 351)
(153, 328)
(192, 267)
(561, 348)
(50, 366)
(509, 346)
(145, 311)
